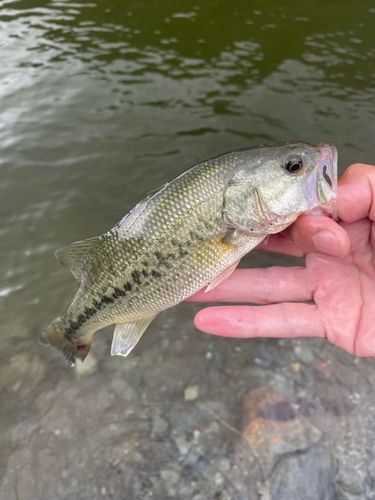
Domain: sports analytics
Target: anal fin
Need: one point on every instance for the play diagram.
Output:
(127, 335)
(221, 277)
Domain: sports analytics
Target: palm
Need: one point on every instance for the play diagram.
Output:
(343, 291)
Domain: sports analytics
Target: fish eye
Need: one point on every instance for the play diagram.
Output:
(293, 163)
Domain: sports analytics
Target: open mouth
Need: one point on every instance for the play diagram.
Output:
(328, 164)
(325, 182)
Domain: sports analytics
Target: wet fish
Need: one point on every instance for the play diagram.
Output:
(189, 234)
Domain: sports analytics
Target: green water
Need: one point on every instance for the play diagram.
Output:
(101, 102)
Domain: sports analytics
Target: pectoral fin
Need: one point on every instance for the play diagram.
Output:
(221, 277)
(127, 335)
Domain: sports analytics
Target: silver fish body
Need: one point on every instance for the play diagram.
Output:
(189, 234)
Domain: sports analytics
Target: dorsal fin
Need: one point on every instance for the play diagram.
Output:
(73, 256)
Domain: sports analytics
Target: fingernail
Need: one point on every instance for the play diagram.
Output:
(326, 242)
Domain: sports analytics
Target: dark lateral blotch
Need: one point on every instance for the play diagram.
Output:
(136, 275)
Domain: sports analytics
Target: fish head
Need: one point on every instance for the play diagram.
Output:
(281, 182)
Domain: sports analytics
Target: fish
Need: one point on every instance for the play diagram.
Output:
(189, 234)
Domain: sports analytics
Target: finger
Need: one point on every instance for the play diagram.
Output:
(278, 243)
(315, 233)
(260, 286)
(280, 320)
(356, 189)
(309, 233)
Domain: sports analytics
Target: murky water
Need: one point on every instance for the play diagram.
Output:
(99, 103)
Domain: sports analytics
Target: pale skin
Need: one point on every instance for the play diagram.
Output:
(338, 277)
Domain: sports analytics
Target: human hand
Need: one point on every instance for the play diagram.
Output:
(339, 277)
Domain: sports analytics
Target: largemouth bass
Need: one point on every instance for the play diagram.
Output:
(189, 234)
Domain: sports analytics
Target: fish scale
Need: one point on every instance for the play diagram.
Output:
(189, 234)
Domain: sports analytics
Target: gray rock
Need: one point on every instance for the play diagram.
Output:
(123, 389)
(89, 366)
(272, 427)
(307, 476)
(171, 475)
(159, 424)
(351, 491)
(304, 354)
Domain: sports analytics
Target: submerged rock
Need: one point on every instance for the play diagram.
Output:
(191, 392)
(88, 367)
(272, 427)
(307, 476)
(23, 371)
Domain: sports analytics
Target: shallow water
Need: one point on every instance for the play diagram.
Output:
(100, 103)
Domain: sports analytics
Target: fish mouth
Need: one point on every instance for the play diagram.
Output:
(323, 183)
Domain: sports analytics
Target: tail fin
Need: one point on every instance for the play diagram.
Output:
(54, 337)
